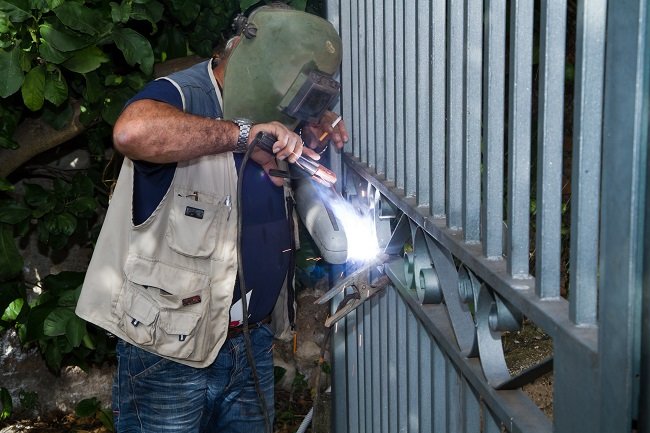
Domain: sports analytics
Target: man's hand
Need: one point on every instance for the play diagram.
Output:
(313, 132)
(288, 146)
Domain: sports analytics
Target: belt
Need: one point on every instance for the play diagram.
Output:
(234, 331)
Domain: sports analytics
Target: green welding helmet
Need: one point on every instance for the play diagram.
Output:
(282, 69)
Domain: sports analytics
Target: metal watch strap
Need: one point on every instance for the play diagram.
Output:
(244, 132)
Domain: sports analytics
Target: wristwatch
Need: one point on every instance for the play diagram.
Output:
(244, 132)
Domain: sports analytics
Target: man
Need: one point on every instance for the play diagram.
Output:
(164, 271)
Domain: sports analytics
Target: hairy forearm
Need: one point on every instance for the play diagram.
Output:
(157, 132)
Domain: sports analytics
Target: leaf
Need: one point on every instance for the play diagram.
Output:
(87, 407)
(56, 322)
(135, 47)
(75, 330)
(16, 10)
(5, 185)
(151, 11)
(11, 262)
(120, 13)
(7, 143)
(53, 4)
(12, 77)
(299, 4)
(51, 54)
(64, 40)
(172, 42)
(83, 206)
(86, 60)
(35, 195)
(185, 10)
(33, 89)
(78, 17)
(13, 213)
(13, 310)
(63, 281)
(56, 88)
(245, 4)
(53, 356)
(6, 403)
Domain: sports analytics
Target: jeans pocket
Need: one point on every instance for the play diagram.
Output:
(143, 363)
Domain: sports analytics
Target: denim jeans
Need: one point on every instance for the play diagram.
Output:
(154, 395)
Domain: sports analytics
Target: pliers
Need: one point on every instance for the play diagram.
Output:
(362, 289)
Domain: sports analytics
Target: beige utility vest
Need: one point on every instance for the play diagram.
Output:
(166, 285)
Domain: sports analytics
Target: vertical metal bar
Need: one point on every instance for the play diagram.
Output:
(439, 391)
(495, 55)
(367, 365)
(426, 382)
(472, 409)
(375, 363)
(389, 53)
(472, 121)
(413, 357)
(353, 373)
(363, 78)
(549, 148)
(585, 178)
(356, 86)
(340, 395)
(347, 85)
(423, 114)
(521, 56)
(370, 83)
(454, 402)
(412, 129)
(385, 345)
(626, 126)
(362, 395)
(438, 109)
(402, 369)
(455, 62)
(400, 89)
(380, 86)
(644, 393)
(393, 367)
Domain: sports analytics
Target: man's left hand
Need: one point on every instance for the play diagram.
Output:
(312, 133)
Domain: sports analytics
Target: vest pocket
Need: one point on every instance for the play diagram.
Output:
(192, 230)
(161, 308)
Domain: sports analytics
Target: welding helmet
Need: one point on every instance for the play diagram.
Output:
(282, 68)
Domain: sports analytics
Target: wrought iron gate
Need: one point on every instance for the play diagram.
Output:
(456, 109)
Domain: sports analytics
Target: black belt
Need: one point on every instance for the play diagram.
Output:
(234, 331)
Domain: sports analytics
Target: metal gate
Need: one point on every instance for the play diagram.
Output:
(458, 116)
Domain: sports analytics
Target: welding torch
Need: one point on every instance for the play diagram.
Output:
(318, 172)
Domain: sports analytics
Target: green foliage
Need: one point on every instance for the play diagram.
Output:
(6, 405)
(92, 408)
(28, 400)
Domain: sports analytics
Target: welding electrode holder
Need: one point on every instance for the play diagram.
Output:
(317, 171)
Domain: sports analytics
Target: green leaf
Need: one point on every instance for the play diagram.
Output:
(86, 60)
(172, 42)
(56, 88)
(53, 356)
(33, 89)
(6, 403)
(35, 195)
(13, 310)
(151, 11)
(185, 10)
(16, 10)
(120, 13)
(11, 262)
(63, 281)
(135, 47)
(75, 330)
(56, 322)
(87, 407)
(5, 185)
(13, 213)
(94, 90)
(64, 40)
(245, 4)
(299, 4)
(64, 224)
(57, 117)
(7, 143)
(78, 17)
(51, 54)
(12, 77)
(84, 206)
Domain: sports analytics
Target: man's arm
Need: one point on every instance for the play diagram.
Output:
(158, 132)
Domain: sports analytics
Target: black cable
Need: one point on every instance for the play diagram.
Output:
(242, 290)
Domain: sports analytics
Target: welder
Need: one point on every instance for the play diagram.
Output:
(197, 241)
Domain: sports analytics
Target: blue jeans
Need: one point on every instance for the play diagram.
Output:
(154, 395)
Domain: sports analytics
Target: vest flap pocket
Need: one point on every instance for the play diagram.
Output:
(140, 309)
(178, 322)
(171, 279)
(191, 229)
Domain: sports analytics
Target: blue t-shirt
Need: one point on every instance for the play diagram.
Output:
(266, 236)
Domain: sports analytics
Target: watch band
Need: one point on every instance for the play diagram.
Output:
(244, 132)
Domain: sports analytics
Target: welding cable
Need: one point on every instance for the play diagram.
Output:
(242, 290)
